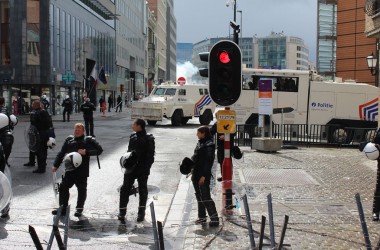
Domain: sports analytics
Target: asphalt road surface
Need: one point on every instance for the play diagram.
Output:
(34, 199)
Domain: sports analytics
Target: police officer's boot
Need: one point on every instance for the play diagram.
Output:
(141, 214)
(202, 218)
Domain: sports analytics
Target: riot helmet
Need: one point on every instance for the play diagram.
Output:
(371, 151)
(72, 161)
(4, 121)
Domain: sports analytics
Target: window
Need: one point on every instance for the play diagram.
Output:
(182, 92)
(206, 91)
(280, 83)
(201, 91)
(164, 91)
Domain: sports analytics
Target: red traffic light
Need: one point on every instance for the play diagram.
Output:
(224, 57)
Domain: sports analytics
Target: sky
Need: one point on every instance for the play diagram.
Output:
(201, 19)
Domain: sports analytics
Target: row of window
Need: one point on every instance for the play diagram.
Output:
(283, 84)
(72, 41)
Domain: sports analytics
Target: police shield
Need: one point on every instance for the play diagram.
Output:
(32, 138)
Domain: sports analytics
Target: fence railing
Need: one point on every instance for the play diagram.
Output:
(302, 134)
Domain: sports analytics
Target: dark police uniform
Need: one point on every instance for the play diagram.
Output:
(88, 109)
(204, 155)
(138, 142)
(42, 121)
(67, 108)
(46, 103)
(80, 174)
(6, 137)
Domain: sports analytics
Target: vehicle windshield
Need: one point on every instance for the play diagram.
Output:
(164, 91)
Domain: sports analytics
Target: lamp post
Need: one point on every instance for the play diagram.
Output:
(241, 25)
(373, 65)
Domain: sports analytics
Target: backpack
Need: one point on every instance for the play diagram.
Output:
(151, 147)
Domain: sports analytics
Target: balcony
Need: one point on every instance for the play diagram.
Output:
(372, 18)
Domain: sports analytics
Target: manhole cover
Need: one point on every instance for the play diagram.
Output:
(279, 177)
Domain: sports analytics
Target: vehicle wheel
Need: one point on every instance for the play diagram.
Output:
(152, 123)
(177, 118)
(206, 118)
(184, 120)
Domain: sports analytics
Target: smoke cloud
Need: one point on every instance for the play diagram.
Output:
(187, 70)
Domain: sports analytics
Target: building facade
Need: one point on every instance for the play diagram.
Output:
(53, 49)
(184, 52)
(278, 51)
(151, 50)
(353, 46)
(131, 28)
(246, 45)
(171, 42)
(326, 38)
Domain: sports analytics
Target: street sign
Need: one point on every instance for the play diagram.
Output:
(226, 121)
(265, 97)
(181, 80)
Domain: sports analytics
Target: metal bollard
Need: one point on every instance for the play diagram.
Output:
(249, 222)
(154, 225)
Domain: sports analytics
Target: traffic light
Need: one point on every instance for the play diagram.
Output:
(204, 57)
(225, 73)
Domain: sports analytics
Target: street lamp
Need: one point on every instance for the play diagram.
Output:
(372, 64)
(241, 25)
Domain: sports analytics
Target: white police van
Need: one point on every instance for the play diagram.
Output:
(179, 103)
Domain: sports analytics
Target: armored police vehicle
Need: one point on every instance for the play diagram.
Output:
(176, 102)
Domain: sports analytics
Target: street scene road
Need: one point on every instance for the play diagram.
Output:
(315, 187)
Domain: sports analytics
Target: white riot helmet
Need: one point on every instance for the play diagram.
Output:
(51, 143)
(128, 162)
(13, 119)
(43, 97)
(4, 121)
(72, 161)
(371, 151)
(67, 96)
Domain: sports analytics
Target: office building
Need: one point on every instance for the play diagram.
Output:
(278, 51)
(326, 38)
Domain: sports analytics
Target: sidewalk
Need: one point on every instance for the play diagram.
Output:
(315, 187)
(78, 117)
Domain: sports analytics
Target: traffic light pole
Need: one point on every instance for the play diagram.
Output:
(227, 175)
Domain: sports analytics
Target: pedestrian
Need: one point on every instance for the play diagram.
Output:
(220, 146)
(88, 109)
(101, 100)
(41, 119)
(67, 108)
(143, 146)
(4, 129)
(45, 102)
(203, 158)
(86, 147)
(119, 104)
(110, 103)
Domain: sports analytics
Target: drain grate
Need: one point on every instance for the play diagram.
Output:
(279, 177)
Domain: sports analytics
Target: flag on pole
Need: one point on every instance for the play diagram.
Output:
(94, 75)
(102, 76)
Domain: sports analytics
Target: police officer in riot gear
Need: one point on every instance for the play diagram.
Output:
(41, 119)
(203, 158)
(67, 108)
(88, 109)
(45, 102)
(86, 147)
(143, 145)
(6, 136)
